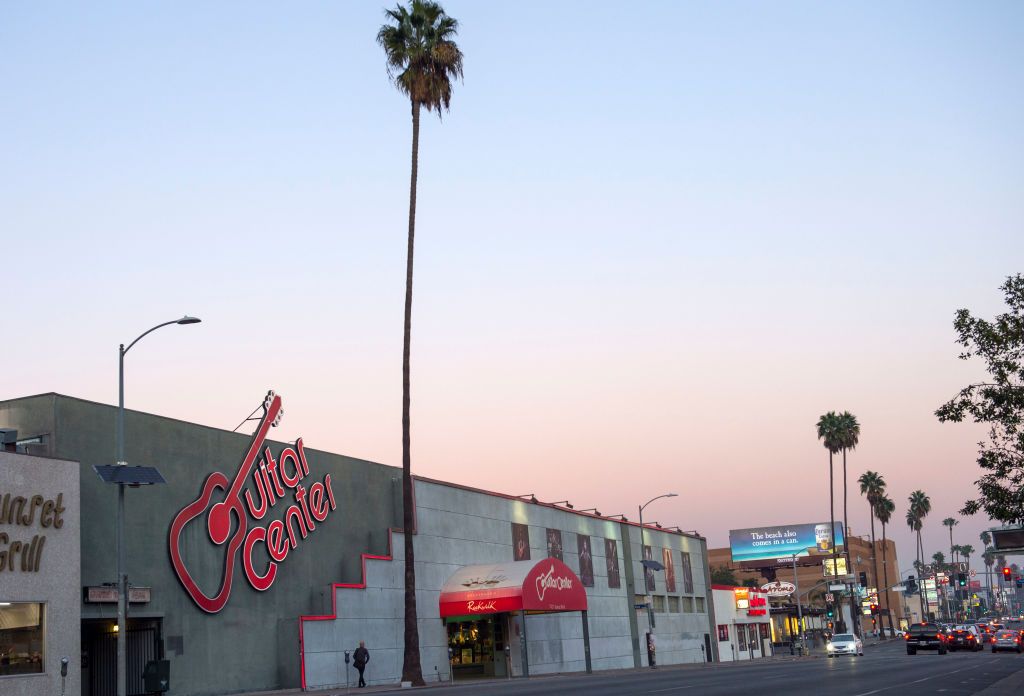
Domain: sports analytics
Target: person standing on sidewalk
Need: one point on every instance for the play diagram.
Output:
(359, 659)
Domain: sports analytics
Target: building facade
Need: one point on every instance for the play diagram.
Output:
(259, 563)
(743, 623)
(814, 588)
(40, 588)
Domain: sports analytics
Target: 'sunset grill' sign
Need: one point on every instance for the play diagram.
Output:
(275, 480)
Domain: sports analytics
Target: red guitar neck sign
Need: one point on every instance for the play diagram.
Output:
(274, 480)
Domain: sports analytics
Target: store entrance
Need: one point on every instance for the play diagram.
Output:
(99, 655)
(477, 646)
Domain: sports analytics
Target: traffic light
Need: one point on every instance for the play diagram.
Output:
(910, 585)
(830, 612)
(1007, 573)
(874, 610)
(961, 579)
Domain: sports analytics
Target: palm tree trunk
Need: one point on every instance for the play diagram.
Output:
(885, 579)
(832, 521)
(411, 669)
(920, 558)
(854, 614)
(874, 559)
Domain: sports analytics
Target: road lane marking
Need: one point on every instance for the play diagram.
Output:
(916, 681)
(674, 688)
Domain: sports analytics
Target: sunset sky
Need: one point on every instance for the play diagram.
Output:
(655, 241)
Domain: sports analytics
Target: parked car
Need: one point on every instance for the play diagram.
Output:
(925, 636)
(964, 637)
(844, 644)
(1007, 640)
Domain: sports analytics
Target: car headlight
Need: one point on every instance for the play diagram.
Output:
(829, 647)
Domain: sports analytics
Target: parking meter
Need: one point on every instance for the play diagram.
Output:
(346, 669)
(63, 673)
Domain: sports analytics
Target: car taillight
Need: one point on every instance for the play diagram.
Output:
(906, 636)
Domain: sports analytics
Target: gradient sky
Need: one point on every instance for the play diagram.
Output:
(655, 240)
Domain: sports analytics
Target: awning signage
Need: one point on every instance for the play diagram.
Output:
(545, 585)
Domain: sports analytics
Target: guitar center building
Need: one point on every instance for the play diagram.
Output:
(259, 564)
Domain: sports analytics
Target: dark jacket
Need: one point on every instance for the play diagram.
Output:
(361, 657)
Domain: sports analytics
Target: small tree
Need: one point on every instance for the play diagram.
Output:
(723, 575)
(998, 403)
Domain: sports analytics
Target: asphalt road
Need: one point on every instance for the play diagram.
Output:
(885, 669)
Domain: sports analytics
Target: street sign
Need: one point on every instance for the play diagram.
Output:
(837, 588)
(973, 572)
(829, 597)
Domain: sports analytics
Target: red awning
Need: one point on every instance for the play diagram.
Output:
(545, 585)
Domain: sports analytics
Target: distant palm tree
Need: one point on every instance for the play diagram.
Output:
(939, 559)
(829, 434)
(422, 60)
(950, 522)
(872, 486)
(989, 557)
(920, 505)
(883, 511)
(914, 522)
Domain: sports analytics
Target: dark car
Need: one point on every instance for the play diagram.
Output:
(964, 637)
(925, 636)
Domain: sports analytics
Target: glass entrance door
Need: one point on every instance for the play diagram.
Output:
(477, 646)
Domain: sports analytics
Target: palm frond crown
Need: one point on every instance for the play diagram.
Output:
(422, 56)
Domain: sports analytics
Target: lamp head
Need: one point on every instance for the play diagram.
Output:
(189, 320)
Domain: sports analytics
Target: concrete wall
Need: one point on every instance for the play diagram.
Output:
(458, 527)
(57, 582)
(253, 643)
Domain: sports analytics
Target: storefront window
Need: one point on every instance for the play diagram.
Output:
(741, 637)
(723, 632)
(21, 638)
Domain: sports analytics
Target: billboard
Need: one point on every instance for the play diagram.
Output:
(773, 543)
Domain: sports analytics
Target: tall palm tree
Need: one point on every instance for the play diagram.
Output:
(920, 505)
(914, 522)
(872, 487)
(422, 60)
(883, 511)
(950, 522)
(849, 436)
(828, 428)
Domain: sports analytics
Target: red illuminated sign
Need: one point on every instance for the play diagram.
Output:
(273, 479)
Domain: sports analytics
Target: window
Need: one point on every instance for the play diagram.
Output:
(687, 574)
(723, 632)
(699, 604)
(687, 605)
(659, 604)
(21, 638)
(764, 629)
(741, 637)
(673, 605)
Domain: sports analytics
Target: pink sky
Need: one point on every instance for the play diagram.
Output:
(637, 272)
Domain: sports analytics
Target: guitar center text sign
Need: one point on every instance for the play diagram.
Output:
(282, 479)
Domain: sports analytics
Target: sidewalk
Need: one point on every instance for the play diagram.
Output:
(1009, 686)
(386, 688)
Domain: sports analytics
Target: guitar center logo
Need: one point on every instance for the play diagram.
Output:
(274, 480)
(550, 581)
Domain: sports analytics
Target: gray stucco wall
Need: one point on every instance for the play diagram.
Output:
(459, 527)
(56, 583)
(252, 644)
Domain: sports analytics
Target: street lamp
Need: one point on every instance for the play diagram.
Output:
(649, 565)
(144, 475)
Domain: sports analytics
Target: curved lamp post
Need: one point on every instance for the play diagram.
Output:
(122, 584)
(651, 565)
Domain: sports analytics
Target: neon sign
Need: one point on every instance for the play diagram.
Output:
(273, 480)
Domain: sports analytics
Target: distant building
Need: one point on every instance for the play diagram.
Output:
(814, 586)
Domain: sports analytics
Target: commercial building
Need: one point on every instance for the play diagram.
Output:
(743, 627)
(40, 593)
(814, 581)
(258, 564)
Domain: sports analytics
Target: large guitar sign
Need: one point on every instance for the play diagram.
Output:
(271, 480)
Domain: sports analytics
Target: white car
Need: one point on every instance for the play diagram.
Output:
(844, 644)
